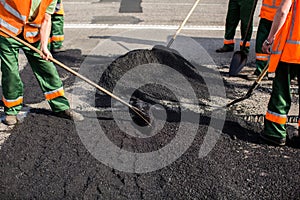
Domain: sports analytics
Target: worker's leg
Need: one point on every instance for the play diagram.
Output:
(12, 85)
(48, 79)
(279, 104)
(245, 11)
(262, 34)
(232, 21)
(57, 32)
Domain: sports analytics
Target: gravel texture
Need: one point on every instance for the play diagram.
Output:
(44, 158)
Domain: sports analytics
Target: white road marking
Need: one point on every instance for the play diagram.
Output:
(144, 27)
(75, 3)
(184, 4)
(144, 3)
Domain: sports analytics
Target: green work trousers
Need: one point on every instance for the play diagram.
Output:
(44, 71)
(57, 31)
(280, 101)
(238, 10)
(264, 28)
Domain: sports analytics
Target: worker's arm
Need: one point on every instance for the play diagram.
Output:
(278, 22)
(46, 29)
(45, 33)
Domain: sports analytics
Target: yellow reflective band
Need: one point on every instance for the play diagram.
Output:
(12, 103)
(276, 118)
(54, 94)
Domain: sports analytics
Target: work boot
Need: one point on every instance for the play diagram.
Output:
(224, 49)
(70, 114)
(10, 120)
(273, 140)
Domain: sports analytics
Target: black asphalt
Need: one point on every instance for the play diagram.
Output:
(44, 158)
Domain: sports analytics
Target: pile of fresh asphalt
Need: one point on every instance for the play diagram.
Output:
(153, 93)
(44, 158)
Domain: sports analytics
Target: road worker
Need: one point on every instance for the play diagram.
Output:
(238, 10)
(284, 37)
(29, 20)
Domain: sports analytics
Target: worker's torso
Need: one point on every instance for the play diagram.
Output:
(286, 47)
(23, 15)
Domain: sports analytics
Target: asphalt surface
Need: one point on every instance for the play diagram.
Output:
(194, 148)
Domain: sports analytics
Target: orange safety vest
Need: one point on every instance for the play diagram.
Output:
(14, 18)
(269, 8)
(286, 47)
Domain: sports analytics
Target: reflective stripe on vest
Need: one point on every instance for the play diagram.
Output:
(276, 118)
(9, 26)
(14, 12)
(229, 41)
(54, 94)
(293, 42)
(262, 56)
(31, 34)
(35, 25)
(12, 103)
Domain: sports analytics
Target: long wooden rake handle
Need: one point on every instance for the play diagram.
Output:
(134, 109)
(183, 23)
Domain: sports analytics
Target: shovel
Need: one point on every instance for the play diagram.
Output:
(137, 111)
(167, 48)
(239, 58)
(252, 88)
